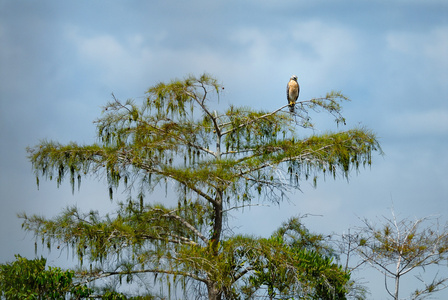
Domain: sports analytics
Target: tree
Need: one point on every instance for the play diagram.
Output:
(294, 264)
(28, 279)
(219, 161)
(398, 247)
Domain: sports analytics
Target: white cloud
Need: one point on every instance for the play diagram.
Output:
(322, 55)
(255, 44)
(327, 41)
(312, 41)
(435, 46)
(428, 123)
(427, 48)
(136, 60)
(430, 43)
(104, 49)
(122, 62)
(329, 50)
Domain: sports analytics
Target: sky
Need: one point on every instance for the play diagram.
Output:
(61, 60)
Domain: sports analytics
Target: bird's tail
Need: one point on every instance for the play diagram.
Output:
(291, 107)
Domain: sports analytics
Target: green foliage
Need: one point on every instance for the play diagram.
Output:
(219, 160)
(28, 279)
(176, 134)
(397, 247)
(294, 263)
(100, 238)
(291, 263)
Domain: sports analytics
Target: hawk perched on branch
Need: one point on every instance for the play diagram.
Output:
(292, 92)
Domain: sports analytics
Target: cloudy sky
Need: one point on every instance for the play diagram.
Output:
(60, 61)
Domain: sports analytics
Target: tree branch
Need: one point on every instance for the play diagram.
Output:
(149, 168)
(188, 225)
(250, 121)
(113, 273)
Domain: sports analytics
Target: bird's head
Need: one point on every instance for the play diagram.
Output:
(293, 77)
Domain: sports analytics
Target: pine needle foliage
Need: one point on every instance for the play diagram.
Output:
(219, 160)
(397, 247)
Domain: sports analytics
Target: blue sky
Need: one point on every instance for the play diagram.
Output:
(61, 60)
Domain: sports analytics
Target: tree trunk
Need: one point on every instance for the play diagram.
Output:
(397, 285)
(397, 277)
(213, 291)
(217, 220)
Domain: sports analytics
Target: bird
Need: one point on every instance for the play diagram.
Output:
(292, 92)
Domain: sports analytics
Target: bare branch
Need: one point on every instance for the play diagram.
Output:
(401, 246)
(105, 274)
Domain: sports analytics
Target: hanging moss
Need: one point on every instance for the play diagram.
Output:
(219, 160)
